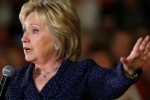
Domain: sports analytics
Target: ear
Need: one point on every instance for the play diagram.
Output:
(56, 46)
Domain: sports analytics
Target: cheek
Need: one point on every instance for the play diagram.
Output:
(44, 48)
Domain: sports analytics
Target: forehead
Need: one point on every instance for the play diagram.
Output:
(32, 19)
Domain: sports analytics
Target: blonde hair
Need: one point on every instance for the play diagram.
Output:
(62, 20)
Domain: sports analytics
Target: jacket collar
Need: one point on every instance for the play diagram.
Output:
(28, 75)
(53, 86)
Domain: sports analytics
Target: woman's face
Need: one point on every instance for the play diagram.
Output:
(38, 42)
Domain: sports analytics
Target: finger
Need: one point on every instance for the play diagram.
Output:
(138, 43)
(123, 60)
(144, 43)
(146, 57)
(147, 49)
(148, 44)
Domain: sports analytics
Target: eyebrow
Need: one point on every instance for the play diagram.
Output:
(23, 25)
(34, 24)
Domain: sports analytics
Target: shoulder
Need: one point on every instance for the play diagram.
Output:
(22, 74)
(87, 62)
(18, 81)
(80, 66)
(80, 63)
(23, 70)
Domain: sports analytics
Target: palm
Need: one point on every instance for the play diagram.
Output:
(139, 55)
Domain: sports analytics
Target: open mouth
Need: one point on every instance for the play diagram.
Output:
(27, 50)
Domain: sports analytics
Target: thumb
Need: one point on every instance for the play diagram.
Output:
(123, 60)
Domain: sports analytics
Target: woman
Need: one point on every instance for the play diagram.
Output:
(51, 42)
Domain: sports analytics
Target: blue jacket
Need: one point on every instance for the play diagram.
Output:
(81, 80)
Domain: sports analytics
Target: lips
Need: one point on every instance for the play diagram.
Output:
(27, 50)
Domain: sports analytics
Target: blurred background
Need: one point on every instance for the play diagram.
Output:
(109, 30)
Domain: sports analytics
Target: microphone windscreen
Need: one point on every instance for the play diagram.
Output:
(8, 71)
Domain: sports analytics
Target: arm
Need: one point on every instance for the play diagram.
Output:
(110, 84)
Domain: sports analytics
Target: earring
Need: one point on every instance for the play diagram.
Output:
(56, 47)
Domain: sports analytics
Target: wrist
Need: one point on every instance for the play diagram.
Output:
(130, 72)
(131, 76)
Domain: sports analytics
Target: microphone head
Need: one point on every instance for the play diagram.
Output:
(8, 71)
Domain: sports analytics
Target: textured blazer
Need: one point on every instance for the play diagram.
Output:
(80, 80)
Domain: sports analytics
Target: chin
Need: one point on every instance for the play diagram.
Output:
(29, 59)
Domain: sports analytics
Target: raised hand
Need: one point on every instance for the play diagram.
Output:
(138, 56)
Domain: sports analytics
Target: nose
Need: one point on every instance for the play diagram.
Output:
(25, 38)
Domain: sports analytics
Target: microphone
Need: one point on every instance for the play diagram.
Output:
(7, 73)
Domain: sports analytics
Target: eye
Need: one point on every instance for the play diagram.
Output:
(35, 30)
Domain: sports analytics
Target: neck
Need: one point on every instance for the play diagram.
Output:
(47, 65)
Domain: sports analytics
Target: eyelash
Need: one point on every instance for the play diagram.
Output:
(35, 30)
